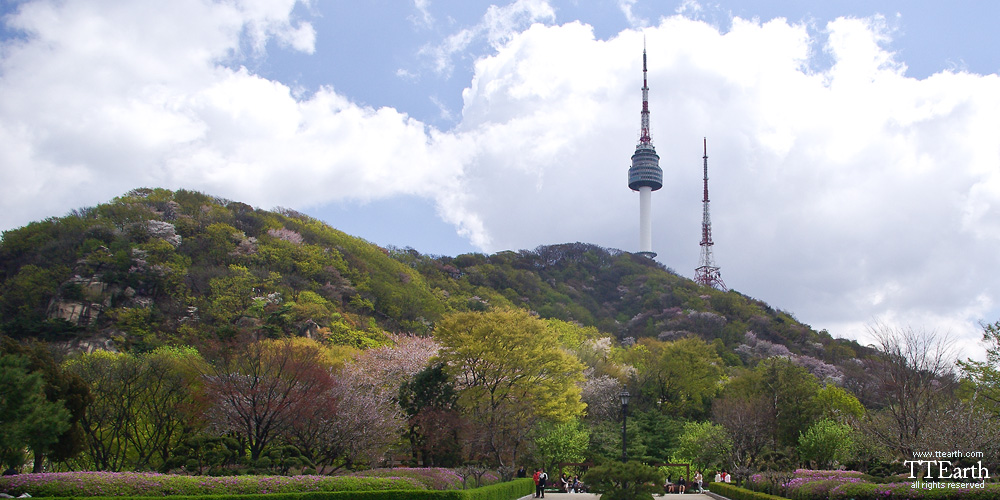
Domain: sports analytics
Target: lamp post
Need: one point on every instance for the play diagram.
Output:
(624, 395)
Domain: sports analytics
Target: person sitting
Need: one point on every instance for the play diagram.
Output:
(681, 484)
(669, 486)
(564, 483)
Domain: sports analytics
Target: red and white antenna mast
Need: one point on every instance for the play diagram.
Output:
(707, 273)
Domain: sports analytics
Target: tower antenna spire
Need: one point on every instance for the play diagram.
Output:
(645, 175)
(707, 273)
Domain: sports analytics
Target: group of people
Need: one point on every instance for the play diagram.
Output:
(574, 485)
(566, 484)
(722, 476)
(680, 486)
(570, 484)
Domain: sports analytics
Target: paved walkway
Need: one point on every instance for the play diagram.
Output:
(593, 496)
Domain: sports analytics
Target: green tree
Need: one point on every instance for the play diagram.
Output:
(838, 404)
(513, 374)
(678, 378)
(61, 386)
(141, 406)
(114, 383)
(233, 294)
(606, 440)
(27, 418)
(789, 391)
(24, 298)
(985, 375)
(624, 481)
(562, 442)
(825, 443)
(705, 445)
(430, 402)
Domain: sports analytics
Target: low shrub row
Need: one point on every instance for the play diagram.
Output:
(108, 486)
(922, 491)
(434, 478)
(736, 493)
(805, 484)
(501, 491)
(135, 484)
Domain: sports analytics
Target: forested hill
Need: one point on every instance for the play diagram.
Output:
(156, 267)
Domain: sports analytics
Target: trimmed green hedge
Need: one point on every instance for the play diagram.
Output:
(736, 493)
(500, 491)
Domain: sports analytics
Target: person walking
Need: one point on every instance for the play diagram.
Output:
(537, 478)
(542, 479)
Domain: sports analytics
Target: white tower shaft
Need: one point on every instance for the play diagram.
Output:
(645, 219)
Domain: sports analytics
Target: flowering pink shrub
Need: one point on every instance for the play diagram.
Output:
(287, 235)
(66, 484)
(852, 485)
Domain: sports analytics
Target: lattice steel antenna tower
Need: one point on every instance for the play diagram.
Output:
(645, 175)
(707, 272)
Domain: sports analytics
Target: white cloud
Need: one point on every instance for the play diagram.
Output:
(841, 195)
(424, 19)
(498, 26)
(854, 192)
(634, 21)
(100, 98)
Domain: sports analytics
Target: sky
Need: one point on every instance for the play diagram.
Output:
(854, 146)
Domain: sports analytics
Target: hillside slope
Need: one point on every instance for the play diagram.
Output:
(158, 267)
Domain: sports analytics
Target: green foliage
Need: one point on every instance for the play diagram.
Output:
(27, 418)
(624, 481)
(825, 443)
(562, 442)
(513, 373)
(509, 490)
(790, 392)
(61, 387)
(606, 440)
(430, 400)
(24, 298)
(510, 356)
(158, 268)
(736, 493)
(838, 404)
(658, 433)
(224, 253)
(141, 407)
(985, 375)
(705, 445)
(680, 377)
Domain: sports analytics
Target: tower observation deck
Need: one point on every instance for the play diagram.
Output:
(645, 175)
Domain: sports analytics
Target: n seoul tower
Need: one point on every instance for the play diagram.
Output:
(645, 175)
